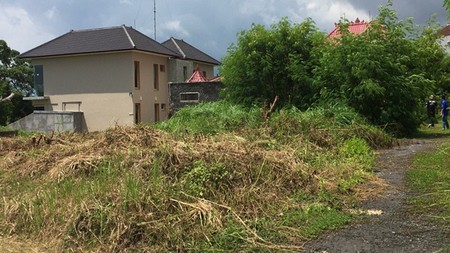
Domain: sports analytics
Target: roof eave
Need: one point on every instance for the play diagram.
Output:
(97, 52)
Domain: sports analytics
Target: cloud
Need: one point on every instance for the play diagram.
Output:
(174, 26)
(126, 2)
(50, 14)
(326, 12)
(17, 26)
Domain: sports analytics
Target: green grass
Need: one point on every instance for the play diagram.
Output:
(430, 177)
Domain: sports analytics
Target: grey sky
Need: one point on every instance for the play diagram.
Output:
(210, 25)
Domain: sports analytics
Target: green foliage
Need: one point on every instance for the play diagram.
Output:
(447, 5)
(16, 77)
(16, 72)
(315, 218)
(358, 150)
(383, 73)
(202, 178)
(211, 118)
(272, 62)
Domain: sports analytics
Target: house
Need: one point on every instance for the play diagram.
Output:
(354, 27)
(189, 60)
(110, 76)
(444, 39)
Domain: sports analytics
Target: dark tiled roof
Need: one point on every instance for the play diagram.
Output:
(110, 39)
(189, 52)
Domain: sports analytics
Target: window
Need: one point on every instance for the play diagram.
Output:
(137, 75)
(156, 112)
(39, 79)
(189, 97)
(162, 68)
(137, 113)
(163, 107)
(156, 77)
(204, 73)
(185, 73)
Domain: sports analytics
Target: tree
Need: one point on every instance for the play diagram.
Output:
(384, 73)
(267, 63)
(16, 77)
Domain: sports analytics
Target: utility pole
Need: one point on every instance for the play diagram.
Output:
(154, 19)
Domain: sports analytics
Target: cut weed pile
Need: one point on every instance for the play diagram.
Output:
(247, 186)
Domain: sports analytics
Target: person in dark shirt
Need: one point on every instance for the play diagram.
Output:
(431, 111)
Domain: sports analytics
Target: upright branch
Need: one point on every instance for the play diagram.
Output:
(266, 114)
(7, 98)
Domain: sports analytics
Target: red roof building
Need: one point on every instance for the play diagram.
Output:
(198, 77)
(355, 27)
(444, 39)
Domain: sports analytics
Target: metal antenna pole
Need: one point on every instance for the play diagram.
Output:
(154, 18)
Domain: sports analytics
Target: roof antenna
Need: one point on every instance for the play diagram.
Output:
(154, 19)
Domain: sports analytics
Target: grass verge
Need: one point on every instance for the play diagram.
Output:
(430, 176)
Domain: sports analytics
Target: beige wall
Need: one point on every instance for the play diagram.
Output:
(147, 95)
(102, 87)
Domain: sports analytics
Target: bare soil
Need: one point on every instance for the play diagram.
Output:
(395, 229)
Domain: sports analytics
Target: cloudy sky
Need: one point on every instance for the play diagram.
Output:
(210, 25)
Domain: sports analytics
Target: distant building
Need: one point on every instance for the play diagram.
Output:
(444, 41)
(354, 27)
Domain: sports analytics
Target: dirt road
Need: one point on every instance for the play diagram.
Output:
(394, 229)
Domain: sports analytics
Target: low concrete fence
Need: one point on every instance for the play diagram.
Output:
(48, 121)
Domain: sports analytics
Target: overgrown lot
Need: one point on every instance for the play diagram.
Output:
(213, 178)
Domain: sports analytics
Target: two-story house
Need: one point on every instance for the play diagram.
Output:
(111, 76)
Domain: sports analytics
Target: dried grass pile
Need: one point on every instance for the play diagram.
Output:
(140, 188)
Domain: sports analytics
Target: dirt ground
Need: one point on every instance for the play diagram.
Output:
(394, 229)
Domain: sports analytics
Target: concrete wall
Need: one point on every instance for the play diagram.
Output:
(207, 91)
(445, 43)
(46, 121)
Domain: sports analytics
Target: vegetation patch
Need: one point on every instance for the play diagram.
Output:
(250, 186)
(430, 176)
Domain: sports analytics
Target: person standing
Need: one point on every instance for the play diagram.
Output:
(431, 111)
(444, 113)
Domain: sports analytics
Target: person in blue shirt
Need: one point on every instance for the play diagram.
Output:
(444, 113)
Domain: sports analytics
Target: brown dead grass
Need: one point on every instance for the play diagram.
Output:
(259, 179)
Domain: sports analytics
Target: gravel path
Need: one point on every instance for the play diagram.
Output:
(395, 230)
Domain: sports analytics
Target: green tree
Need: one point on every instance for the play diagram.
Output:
(16, 77)
(384, 73)
(272, 62)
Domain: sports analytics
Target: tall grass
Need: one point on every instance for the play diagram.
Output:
(217, 178)
(211, 118)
